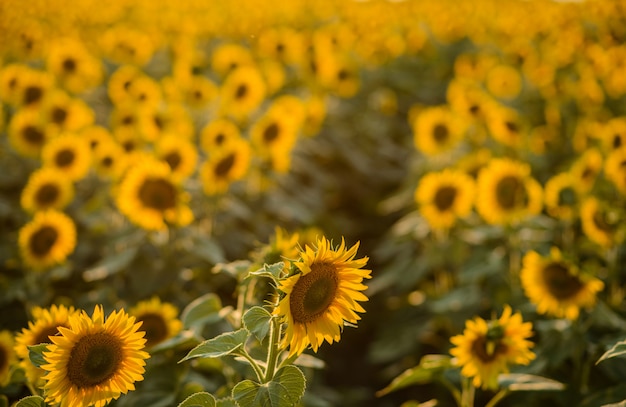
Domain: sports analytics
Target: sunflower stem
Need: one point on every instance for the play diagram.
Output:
(272, 354)
(467, 394)
(453, 390)
(253, 363)
(496, 399)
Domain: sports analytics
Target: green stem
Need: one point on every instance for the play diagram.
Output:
(453, 390)
(253, 363)
(272, 354)
(496, 399)
(467, 395)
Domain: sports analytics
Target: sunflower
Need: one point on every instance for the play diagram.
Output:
(273, 136)
(444, 197)
(507, 193)
(437, 130)
(12, 79)
(506, 126)
(557, 286)
(587, 168)
(46, 322)
(228, 57)
(599, 222)
(7, 356)
(96, 135)
(487, 348)
(73, 65)
(314, 114)
(94, 360)
(200, 91)
(145, 92)
(47, 188)
(150, 196)
(217, 134)
(28, 134)
(66, 113)
(504, 82)
(283, 44)
(225, 166)
(322, 296)
(179, 153)
(68, 153)
(242, 92)
(34, 86)
(615, 168)
(110, 160)
(159, 320)
(562, 196)
(47, 239)
(282, 246)
(125, 45)
(613, 135)
(120, 81)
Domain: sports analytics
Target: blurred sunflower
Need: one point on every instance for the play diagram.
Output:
(179, 153)
(199, 91)
(225, 166)
(507, 193)
(282, 246)
(27, 133)
(45, 323)
(504, 82)
(159, 320)
(125, 45)
(47, 239)
(12, 80)
(613, 134)
(599, 222)
(273, 136)
(150, 196)
(556, 285)
(68, 153)
(615, 168)
(506, 126)
(562, 196)
(437, 130)
(242, 92)
(94, 360)
(443, 197)
(228, 57)
(587, 168)
(314, 114)
(487, 348)
(218, 133)
(322, 296)
(73, 65)
(283, 44)
(95, 135)
(47, 188)
(110, 160)
(120, 82)
(34, 86)
(7, 356)
(274, 75)
(66, 113)
(145, 92)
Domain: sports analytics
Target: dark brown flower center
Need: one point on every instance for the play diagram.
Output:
(47, 194)
(219, 139)
(314, 292)
(174, 159)
(444, 197)
(488, 347)
(58, 115)
(107, 161)
(32, 94)
(224, 166)
(560, 282)
(441, 133)
(511, 126)
(94, 359)
(511, 193)
(271, 133)
(158, 193)
(44, 334)
(241, 92)
(43, 240)
(155, 328)
(69, 65)
(64, 158)
(33, 135)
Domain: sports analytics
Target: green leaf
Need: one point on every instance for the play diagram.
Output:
(257, 321)
(111, 264)
(429, 368)
(284, 390)
(185, 339)
(219, 346)
(201, 399)
(208, 250)
(617, 350)
(226, 402)
(31, 401)
(202, 310)
(273, 271)
(528, 382)
(35, 354)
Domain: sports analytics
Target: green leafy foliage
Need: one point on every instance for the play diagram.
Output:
(31, 401)
(219, 346)
(429, 368)
(203, 310)
(257, 321)
(35, 354)
(201, 399)
(284, 390)
(618, 349)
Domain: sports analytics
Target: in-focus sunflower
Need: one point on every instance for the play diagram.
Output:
(68, 153)
(556, 285)
(94, 360)
(243, 92)
(600, 222)
(150, 196)
(47, 188)
(487, 348)
(562, 196)
(443, 197)
(159, 320)
(225, 166)
(7, 356)
(437, 130)
(217, 134)
(322, 296)
(45, 323)
(47, 239)
(180, 154)
(507, 193)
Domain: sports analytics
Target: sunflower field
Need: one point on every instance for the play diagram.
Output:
(312, 204)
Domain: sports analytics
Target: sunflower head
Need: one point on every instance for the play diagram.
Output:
(487, 348)
(322, 295)
(48, 239)
(7, 356)
(159, 320)
(557, 286)
(95, 360)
